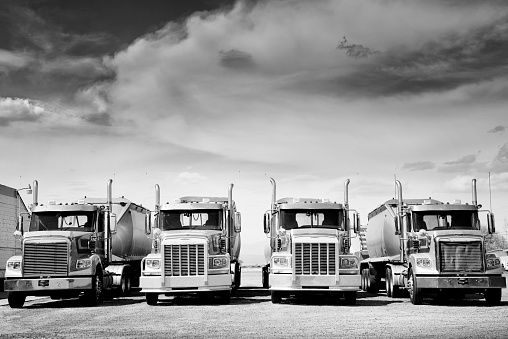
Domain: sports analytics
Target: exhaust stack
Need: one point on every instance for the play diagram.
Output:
(35, 192)
(346, 194)
(274, 192)
(475, 198)
(157, 198)
(107, 238)
(403, 229)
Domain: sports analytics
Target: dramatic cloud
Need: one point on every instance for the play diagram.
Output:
(12, 110)
(418, 166)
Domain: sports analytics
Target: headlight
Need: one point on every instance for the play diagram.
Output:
(218, 262)
(493, 263)
(83, 263)
(153, 263)
(281, 261)
(423, 262)
(350, 262)
(14, 265)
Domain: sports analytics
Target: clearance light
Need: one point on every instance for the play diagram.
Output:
(153, 263)
(296, 200)
(493, 263)
(52, 202)
(457, 201)
(427, 202)
(81, 202)
(83, 263)
(325, 200)
(14, 265)
(423, 262)
(206, 200)
(348, 263)
(281, 261)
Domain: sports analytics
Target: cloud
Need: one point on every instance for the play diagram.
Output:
(458, 184)
(418, 166)
(497, 129)
(236, 59)
(465, 163)
(500, 162)
(10, 60)
(12, 110)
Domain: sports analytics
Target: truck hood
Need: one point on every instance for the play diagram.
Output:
(314, 233)
(456, 235)
(54, 234)
(186, 234)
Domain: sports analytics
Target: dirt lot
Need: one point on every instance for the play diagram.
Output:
(252, 315)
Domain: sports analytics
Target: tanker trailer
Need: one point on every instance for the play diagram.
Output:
(196, 248)
(79, 249)
(430, 248)
(308, 251)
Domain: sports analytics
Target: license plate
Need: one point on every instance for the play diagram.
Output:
(43, 283)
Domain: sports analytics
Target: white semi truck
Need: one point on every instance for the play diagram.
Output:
(431, 249)
(82, 248)
(309, 248)
(196, 248)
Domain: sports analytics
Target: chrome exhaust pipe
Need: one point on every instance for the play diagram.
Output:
(35, 192)
(274, 193)
(346, 194)
(475, 198)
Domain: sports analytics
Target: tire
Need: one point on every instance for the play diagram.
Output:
(16, 299)
(152, 298)
(372, 286)
(276, 297)
(364, 279)
(125, 283)
(350, 298)
(237, 279)
(389, 282)
(493, 296)
(415, 293)
(265, 276)
(94, 296)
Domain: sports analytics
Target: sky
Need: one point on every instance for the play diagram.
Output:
(196, 95)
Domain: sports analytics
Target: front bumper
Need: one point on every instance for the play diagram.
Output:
(155, 284)
(465, 282)
(49, 284)
(284, 282)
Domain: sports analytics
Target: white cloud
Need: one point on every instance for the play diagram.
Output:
(10, 60)
(17, 109)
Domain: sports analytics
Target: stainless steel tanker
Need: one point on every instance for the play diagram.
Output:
(431, 249)
(196, 248)
(81, 248)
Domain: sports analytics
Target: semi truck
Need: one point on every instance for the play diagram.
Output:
(78, 249)
(196, 248)
(309, 248)
(430, 248)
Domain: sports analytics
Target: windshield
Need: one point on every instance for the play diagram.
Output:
(442, 220)
(290, 219)
(62, 221)
(204, 219)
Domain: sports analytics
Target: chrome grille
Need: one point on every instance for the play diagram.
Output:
(184, 260)
(315, 259)
(45, 259)
(461, 257)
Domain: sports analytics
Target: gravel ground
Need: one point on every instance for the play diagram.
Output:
(252, 315)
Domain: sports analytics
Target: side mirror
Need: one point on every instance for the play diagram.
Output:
(238, 222)
(266, 223)
(491, 223)
(112, 223)
(148, 223)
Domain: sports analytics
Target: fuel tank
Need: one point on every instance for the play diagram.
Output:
(380, 234)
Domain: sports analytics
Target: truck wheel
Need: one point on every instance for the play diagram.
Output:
(238, 278)
(16, 299)
(276, 297)
(94, 296)
(152, 298)
(364, 279)
(492, 296)
(349, 298)
(265, 276)
(415, 293)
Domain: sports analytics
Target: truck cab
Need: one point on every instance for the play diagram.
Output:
(309, 248)
(196, 248)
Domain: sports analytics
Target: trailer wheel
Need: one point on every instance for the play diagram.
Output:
(392, 290)
(372, 285)
(493, 296)
(125, 283)
(152, 298)
(349, 298)
(364, 279)
(415, 293)
(16, 299)
(276, 297)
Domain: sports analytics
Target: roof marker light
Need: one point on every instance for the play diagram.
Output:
(52, 202)
(427, 202)
(81, 202)
(296, 199)
(457, 201)
(206, 200)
